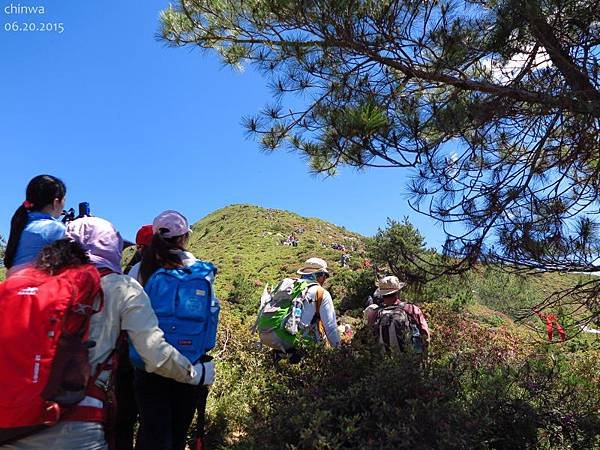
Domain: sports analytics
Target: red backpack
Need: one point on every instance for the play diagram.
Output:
(44, 366)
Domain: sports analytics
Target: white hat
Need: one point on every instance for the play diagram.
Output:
(173, 223)
(388, 285)
(313, 265)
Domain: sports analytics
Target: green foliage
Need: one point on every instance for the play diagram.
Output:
(461, 300)
(446, 287)
(401, 248)
(480, 388)
(352, 288)
(510, 293)
(243, 293)
(506, 292)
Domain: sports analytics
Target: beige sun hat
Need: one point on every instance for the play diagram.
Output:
(313, 265)
(388, 285)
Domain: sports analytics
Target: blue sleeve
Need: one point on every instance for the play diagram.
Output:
(54, 231)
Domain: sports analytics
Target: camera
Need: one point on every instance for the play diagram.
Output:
(69, 215)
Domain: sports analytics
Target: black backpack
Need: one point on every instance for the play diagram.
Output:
(396, 332)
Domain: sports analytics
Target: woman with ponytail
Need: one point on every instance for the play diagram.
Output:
(167, 407)
(34, 224)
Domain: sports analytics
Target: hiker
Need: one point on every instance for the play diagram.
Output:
(400, 326)
(143, 237)
(124, 307)
(344, 259)
(299, 309)
(181, 291)
(34, 224)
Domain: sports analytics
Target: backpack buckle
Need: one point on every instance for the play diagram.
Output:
(82, 309)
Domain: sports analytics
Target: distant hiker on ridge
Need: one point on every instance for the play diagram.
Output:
(344, 259)
(298, 309)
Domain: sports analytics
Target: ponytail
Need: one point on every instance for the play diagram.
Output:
(41, 192)
(162, 252)
(17, 225)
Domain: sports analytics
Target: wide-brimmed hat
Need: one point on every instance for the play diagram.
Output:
(313, 265)
(388, 285)
(171, 223)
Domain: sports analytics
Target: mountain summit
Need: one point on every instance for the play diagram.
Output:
(265, 245)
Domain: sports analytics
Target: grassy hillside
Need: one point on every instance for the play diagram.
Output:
(246, 244)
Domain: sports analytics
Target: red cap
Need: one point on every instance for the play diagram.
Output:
(144, 235)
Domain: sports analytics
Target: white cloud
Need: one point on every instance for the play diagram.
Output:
(505, 72)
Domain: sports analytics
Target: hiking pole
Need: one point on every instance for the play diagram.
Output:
(198, 443)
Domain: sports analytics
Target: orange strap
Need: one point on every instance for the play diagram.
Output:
(320, 326)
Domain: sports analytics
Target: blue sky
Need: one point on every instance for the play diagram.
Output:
(134, 127)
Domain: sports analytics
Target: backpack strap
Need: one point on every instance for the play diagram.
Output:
(105, 271)
(319, 302)
(319, 299)
(99, 404)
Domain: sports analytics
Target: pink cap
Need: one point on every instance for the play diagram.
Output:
(171, 223)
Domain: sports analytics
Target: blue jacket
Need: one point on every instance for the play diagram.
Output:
(41, 229)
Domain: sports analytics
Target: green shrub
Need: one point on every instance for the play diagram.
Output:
(244, 296)
(505, 292)
(443, 288)
(350, 289)
(461, 300)
(243, 291)
(481, 388)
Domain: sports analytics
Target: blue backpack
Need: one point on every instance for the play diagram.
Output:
(187, 309)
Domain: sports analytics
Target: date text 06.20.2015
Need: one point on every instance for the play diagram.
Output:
(48, 27)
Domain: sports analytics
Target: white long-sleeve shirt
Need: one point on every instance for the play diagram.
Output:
(326, 313)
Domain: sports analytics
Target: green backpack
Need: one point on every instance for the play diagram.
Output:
(282, 309)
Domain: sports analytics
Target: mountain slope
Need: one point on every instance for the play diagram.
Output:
(247, 242)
